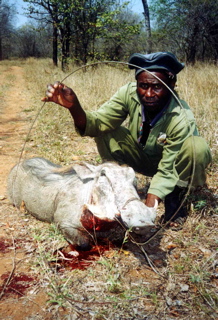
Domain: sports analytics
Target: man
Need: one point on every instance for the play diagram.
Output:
(162, 140)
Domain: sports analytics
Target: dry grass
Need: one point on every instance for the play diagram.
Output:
(199, 87)
(55, 124)
(121, 285)
(95, 85)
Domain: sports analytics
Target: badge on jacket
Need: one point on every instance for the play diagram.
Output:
(161, 139)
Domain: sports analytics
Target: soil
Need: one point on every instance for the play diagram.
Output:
(24, 296)
(15, 243)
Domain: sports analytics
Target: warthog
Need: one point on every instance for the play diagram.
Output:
(83, 200)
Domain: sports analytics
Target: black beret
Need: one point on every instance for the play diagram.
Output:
(155, 61)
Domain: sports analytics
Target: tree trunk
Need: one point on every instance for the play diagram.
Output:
(192, 45)
(147, 25)
(1, 56)
(55, 44)
(55, 35)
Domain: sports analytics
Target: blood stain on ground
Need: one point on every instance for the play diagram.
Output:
(82, 259)
(18, 284)
(4, 245)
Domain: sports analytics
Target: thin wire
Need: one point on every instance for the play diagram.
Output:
(174, 95)
(28, 134)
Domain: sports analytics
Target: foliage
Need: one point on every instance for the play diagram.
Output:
(117, 30)
(88, 30)
(7, 14)
(78, 24)
(32, 41)
(187, 27)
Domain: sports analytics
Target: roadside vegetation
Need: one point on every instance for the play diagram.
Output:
(170, 276)
(80, 31)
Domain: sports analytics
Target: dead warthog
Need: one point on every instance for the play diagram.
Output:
(83, 200)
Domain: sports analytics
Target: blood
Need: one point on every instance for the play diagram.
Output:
(91, 223)
(17, 285)
(84, 258)
(6, 244)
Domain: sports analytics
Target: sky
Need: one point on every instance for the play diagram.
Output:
(136, 6)
(21, 19)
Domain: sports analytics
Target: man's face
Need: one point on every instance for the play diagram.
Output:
(151, 92)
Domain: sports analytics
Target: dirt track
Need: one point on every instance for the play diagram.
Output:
(14, 122)
(14, 238)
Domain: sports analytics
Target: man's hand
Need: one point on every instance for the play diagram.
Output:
(66, 97)
(62, 95)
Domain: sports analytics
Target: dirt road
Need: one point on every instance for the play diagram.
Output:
(14, 122)
(15, 254)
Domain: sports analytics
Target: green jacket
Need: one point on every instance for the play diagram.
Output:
(176, 123)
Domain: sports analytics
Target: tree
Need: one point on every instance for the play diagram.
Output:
(118, 29)
(46, 11)
(32, 40)
(85, 26)
(7, 14)
(74, 22)
(187, 27)
(79, 26)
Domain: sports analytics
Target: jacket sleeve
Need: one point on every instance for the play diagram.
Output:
(110, 115)
(180, 128)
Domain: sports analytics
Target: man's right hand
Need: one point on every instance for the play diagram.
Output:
(66, 97)
(62, 95)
